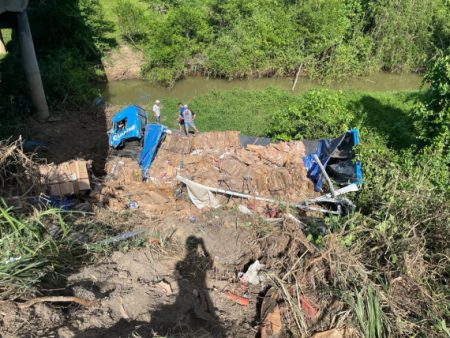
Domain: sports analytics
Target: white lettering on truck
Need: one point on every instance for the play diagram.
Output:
(122, 133)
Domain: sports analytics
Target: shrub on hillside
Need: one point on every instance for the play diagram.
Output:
(433, 112)
(318, 114)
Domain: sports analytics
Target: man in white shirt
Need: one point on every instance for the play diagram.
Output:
(189, 117)
(157, 111)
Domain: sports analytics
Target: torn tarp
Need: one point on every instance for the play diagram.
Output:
(338, 157)
(200, 195)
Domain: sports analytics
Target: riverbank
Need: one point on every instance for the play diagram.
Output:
(250, 112)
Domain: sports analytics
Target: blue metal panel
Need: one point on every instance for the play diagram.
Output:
(342, 170)
(152, 139)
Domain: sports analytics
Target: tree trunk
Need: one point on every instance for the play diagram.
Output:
(296, 76)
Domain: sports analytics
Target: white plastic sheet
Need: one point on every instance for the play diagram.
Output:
(199, 194)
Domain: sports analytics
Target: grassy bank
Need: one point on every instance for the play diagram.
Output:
(251, 111)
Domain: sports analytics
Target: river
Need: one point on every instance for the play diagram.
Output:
(141, 91)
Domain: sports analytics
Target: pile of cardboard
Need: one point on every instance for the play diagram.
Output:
(214, 159)
(67, 178)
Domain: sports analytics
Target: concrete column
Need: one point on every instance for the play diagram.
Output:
(2, 44)
(30, 65)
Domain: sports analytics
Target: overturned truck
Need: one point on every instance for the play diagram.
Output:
(217, 166)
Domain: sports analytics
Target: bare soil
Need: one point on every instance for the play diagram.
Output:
(176, 288)
(123, 63)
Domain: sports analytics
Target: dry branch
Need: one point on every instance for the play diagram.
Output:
(56, 299)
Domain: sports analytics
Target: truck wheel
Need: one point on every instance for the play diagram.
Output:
(131, 150)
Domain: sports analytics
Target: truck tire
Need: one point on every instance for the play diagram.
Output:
(131, 149)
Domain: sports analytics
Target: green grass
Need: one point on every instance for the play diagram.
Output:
(250, 112)
(39, 248)
(369, 314)
(28, 253)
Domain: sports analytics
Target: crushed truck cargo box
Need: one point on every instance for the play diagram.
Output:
(66, 178)
(339, 159)
(153, 136)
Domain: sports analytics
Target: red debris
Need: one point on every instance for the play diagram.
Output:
(306, 306)
(238, 299)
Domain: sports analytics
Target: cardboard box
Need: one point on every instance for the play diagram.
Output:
(66, 178)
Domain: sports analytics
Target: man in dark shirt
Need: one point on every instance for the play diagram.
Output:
(181, 118)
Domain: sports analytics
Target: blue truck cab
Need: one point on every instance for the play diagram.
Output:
(130, 125)
(127, 125)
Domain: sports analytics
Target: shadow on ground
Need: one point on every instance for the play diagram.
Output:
(395, 124)
(191, 315)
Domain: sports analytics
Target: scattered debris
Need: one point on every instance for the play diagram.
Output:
(238, 299)
(244, 210)
(271, 324)
(257, 187)
(337, 333)
(131, 204)
(66, 178)
(306, 305)
(165, 286)
(253, 274)
(123, 236)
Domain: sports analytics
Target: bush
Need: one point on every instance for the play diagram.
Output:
(132, 21)
(69, 53)
(433, 111)
(68, 79)
(319, 114)
(332, 39)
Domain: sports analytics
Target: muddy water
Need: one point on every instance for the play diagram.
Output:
(141, 91)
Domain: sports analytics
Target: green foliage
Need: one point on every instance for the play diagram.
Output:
(236, 38)
(402, 32)
(403, 208)
(318, 114)
(28, 254)
(433, 111)
(132, 21)
(67, 79)
(370, 317)
(69, 53)
(38, 248)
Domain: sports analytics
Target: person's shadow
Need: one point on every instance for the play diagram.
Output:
(193, 311)
(191, 315)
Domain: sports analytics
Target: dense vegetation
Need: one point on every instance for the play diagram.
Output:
(236, 38)
(327, 39)
(403, 212)
(70, 38)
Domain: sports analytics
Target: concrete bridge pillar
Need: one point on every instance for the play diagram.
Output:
(2, 44)
(30, 65)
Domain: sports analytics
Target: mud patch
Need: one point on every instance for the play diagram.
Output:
(123, 63)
